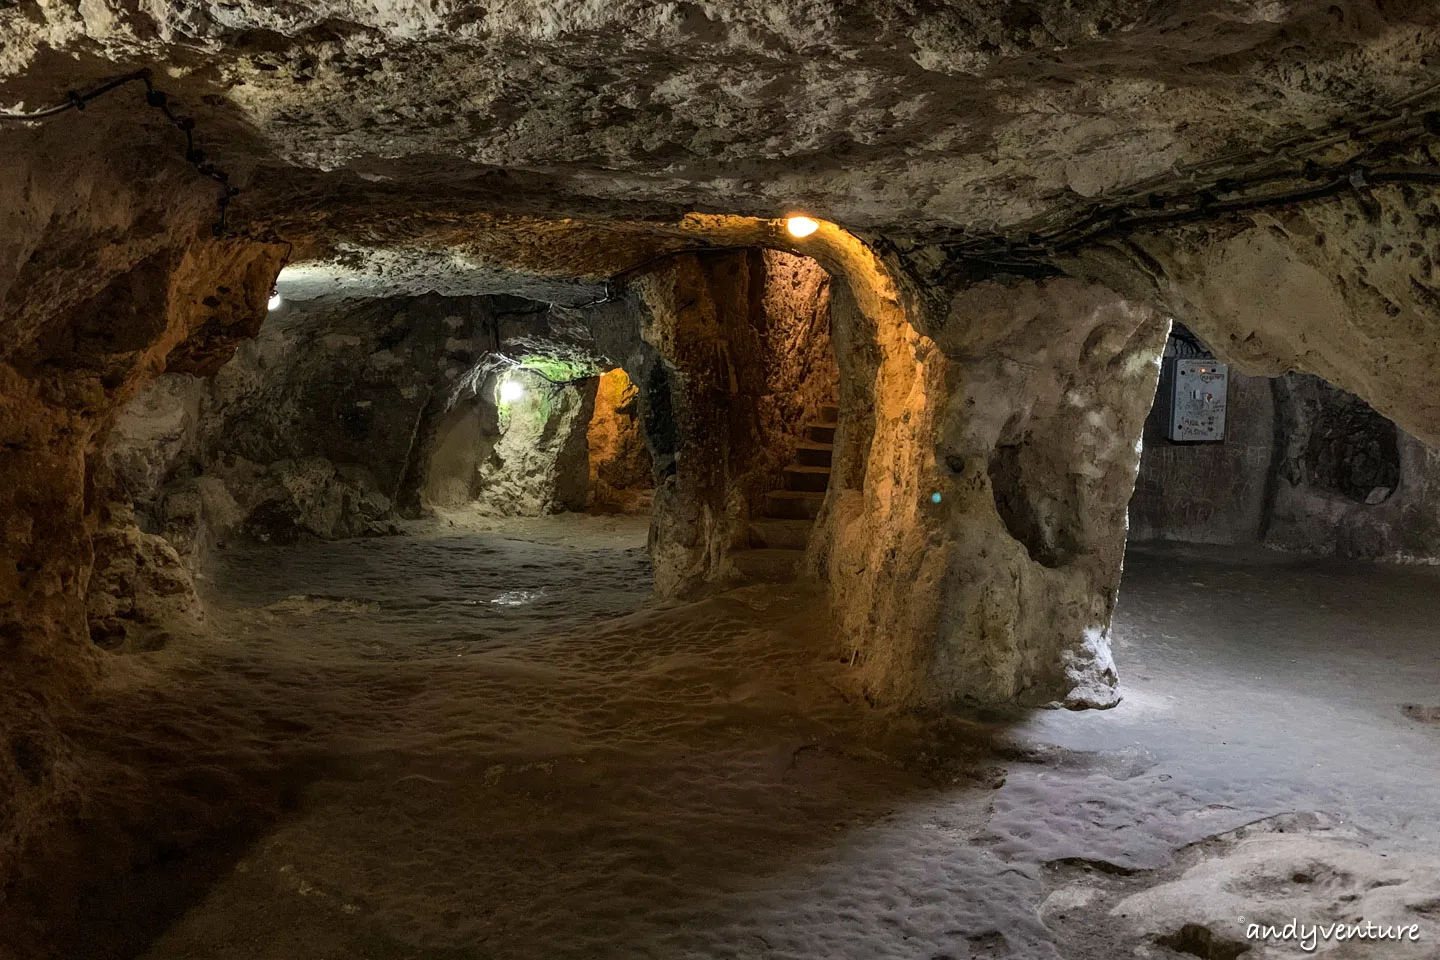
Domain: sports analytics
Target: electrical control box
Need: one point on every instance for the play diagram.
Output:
(1197, 391)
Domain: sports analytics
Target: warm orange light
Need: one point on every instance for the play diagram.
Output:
(801, 226)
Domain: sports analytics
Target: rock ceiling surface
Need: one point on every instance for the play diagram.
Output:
(903, 116)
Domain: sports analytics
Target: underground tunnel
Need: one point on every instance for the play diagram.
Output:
(950, 481)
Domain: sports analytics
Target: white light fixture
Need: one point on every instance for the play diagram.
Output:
(275, 300)
(801, 226)
(511, 390)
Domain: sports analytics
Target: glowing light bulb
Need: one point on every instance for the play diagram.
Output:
(511, 390)
(801, 226)
(275, 300)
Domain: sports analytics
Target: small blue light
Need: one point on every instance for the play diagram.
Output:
(934, 498)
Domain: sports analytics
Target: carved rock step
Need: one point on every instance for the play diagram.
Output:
(820, 432)
(812, 454)
(793, 504)
(780, 534)
(814, 479)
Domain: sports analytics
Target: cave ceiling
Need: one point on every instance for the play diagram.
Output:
(907, 117)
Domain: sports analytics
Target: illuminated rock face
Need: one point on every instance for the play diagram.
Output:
(1040, 442)
(316, 428)
(621, 474)
(539, 463)
(974, 545)
(743, 341)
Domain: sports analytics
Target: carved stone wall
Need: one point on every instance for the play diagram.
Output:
(621, 475)
(107, 266)
(745, 350)
(1304, 467)
(978, 557)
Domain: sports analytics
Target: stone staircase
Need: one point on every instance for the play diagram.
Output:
(778, 537)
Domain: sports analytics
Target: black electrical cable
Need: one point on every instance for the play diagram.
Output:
(77, 100)
(519, 365)
(996, 252)
(1201, 206)
(1156, 201)
(1182, 334)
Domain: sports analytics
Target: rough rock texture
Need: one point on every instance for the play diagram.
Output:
(1304, 467)
(1374, 496)
(311, 429)
(1336, 443)
(346, 413)
(540, 462)
(565, 143)
(1327, 289)
(873, 113)
(317, 425)
(1343, 290)
(106, 266)
(324, 408)
(745, 343)
(358, 271)
(460, 441)
(1280, 887)
(463, 448)
(979, 557)
(140, 592)
(1241, 900)
(531, 146)
(621, 474)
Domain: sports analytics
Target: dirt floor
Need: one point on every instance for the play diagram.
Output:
(479, 740)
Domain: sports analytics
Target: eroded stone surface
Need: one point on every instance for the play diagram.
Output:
(539, 463)
(621, 473)
(141, 593)
(1278, 895)
(988, 529)
(1304, 467)
(872, 113)
(104, 275)
(745, 344)
(1321, 289)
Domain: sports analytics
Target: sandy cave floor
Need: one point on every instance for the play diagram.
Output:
(485, 743)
